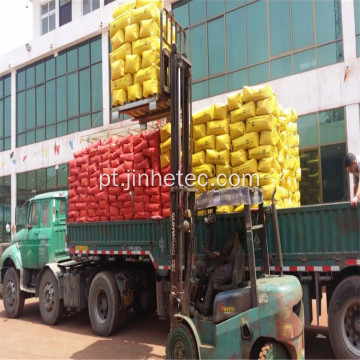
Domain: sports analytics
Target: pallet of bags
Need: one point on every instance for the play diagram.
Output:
(135, 56)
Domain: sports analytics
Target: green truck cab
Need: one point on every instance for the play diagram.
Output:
(39, 245)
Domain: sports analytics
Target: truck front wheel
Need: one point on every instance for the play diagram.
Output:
(13, 297)
(344, 319)
(51, 306)
(104, 304)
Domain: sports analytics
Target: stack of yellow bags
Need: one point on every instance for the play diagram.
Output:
(253, 137)
(135, 56)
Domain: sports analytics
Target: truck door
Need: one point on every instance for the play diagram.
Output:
(29, 245)
(44, 233)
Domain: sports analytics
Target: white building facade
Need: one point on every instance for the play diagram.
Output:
(55, 90)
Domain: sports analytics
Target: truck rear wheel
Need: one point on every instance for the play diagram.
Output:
(104, 304)
(181, 343)
(13, 297)
(50, 304)
(344, 319)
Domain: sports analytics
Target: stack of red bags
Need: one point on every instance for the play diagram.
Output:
(147, 194)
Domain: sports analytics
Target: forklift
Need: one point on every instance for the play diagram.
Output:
(260, 318)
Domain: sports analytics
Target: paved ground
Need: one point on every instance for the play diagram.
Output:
(28, 338)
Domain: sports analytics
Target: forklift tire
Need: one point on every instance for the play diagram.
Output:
(51, 306)
(13, 297)
(104, 304)
(344, 318)
(181, 343)
(273, 351)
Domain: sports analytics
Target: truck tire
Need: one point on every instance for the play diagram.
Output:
(13, 297)
(344, 319)
(104, 304)
(50, 304)
(181, 343)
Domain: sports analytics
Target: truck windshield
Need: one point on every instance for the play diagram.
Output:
(20, 217)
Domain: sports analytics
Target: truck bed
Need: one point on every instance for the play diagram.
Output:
(318, 235)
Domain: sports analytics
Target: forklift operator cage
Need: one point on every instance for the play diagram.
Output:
(243, 195)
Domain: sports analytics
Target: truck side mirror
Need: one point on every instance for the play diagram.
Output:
(7, 228)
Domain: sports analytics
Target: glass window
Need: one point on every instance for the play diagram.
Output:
(214, 8)
(85, 122)
(279, 27)
(50, 68)
(21, 80)
(330, 54)
(72, 93)
(40, 73)
(237, 80)
(334, 179)
(96, 51)
(30, 76)
(62, 207)
(40, 105)
(217, 85)
(41, 180)
(308, 130)
(50, 132)
(30, 137)
(51, 178)
(332, 126)
(63, 177)
(257, 38)
(7, 86)
(73, 125)
(200, 90)
(258, 74)
(304, 61)
(281, 67)
(84, 55)
(357, 16)
(197, 10)
(47, 17)
(232, 4)
(302, 23)
(96, 87)
(72, 60)
(198, 52)
(328, 21)
(50, 102)
(97, 119)
(235, 44)
(65, 14)
(84, 96)
(181, 14)
(90, 5)
(31, 181)
(61, 98)
(310, 177)
(40, 135)
(61, 64)
(61, 128)
(21, 112)
(216, 46)
(45, 213)
(34, 214)
(30, 109)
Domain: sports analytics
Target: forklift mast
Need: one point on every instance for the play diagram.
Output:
(174, 100)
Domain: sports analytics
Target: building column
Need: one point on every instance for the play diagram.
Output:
(13, 148)
(105, 79)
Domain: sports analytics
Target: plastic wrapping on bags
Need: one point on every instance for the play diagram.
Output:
(237, 129)
(235, 101)
(207, 142)
(261, 123)
(247, 141)
(117, 40)
(132, 32)
(134, 92)
(256, 93)
(120, 53)
(217, 127)
(223, 142)
(151, 87)
(203, 116)
(238, 157)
